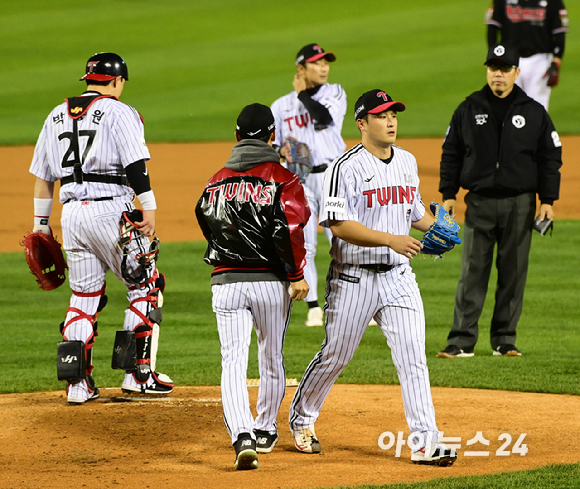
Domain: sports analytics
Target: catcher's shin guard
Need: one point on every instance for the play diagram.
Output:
(71, 361)
(79, 327)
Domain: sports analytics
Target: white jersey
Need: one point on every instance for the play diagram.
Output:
(293, 120)
(110, 137)
(383, 196)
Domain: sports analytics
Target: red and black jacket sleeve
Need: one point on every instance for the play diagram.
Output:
(291, 214)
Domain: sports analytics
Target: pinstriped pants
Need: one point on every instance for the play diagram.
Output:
(240, 307)
(354, 296)
(90, 233)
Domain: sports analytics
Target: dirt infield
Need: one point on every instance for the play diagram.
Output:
(182, 441)
(179, 173)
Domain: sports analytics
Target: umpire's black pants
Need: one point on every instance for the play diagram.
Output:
(507, 222)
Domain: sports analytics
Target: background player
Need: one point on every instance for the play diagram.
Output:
(501, 146)
(252, 214)
(94, 144)
(313, 114)
(370, 202)
(537, 29)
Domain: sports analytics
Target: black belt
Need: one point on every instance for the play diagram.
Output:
(98, 199)
(378, 267)
(319, 169)
(95, 177)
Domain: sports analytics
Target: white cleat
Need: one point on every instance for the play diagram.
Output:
(435, 454)
(315, 317)
(306, 441)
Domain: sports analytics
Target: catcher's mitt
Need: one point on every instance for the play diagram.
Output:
(553, 74)
(45, 259)
(297, 156)
(443, 235)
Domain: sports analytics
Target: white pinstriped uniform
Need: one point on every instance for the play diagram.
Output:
(239, 307)
(293, 120)
(91, 228)
(384, 197)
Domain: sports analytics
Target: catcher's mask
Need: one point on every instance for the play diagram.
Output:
(133, 244)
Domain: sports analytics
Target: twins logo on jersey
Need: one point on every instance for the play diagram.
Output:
(393, 195)
(519, 14)
(301, 121)
(242, 192)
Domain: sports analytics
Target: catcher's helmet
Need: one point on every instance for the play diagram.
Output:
(105, 66)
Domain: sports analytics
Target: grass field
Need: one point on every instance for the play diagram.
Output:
(193, 65)
(189, 347)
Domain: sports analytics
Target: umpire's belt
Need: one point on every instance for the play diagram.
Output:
(95, 177)
(319, 168)
(378, 267)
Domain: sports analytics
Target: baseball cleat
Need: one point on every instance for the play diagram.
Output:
(507, 351)
(246, 455)
(306, 441)
(453, 351)
(265, 441)
(80, 393)
(438, 454)
(159, 384)
(315, 317)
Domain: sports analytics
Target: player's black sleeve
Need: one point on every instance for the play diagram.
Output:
(316, 110)
(138, 177)
(558, 43)
(492, 35)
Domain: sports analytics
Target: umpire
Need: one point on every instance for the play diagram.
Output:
(503, 148)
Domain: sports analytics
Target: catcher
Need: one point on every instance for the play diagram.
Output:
(94, 144)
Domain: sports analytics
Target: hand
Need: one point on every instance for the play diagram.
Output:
(147, 226)
(553, 74)
(298, 290)
(449, 206)
(42, 228)
(299, 83)
(405, 245)
(546, 212)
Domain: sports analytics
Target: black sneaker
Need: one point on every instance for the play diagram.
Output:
(246, 456)
(507, 351)
(265, 441)
(453, 351)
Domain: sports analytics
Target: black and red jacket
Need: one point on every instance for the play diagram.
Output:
(252, 214)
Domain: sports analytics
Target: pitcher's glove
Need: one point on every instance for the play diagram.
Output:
(553, 74)
(45, 259)
(443, 235)
(297, 156)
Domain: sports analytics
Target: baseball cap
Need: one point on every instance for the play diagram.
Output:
(504, 54)
(312, 53)
(105, 67)
(255, 122)
(375, 102)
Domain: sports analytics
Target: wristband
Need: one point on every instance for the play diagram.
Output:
(147, 200)
(42, 207)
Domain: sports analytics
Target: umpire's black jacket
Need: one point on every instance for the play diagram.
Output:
(527, 159)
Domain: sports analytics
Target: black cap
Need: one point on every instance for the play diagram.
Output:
(504, 54)
(105, 67)
(312, 53)
(375, 102)
(255, 122)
